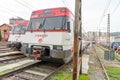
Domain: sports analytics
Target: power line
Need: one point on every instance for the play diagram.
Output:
(28, 4)
(105, 10)
(6, 12)
(23, 4)
(9, 11)
(116, 8)
(66, 3)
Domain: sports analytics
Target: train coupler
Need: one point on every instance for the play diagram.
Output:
(36, 54)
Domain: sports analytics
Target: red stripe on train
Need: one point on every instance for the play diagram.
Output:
(47, 31)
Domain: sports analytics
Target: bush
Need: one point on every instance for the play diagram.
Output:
(0, 35)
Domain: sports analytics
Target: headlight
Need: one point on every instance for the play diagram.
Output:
(57, 47)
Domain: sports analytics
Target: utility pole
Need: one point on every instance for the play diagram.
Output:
(77, 39)
(99, 35)
(108, 31)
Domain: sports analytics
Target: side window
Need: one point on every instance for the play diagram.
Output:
(70, 25)
(23, 29)
(17, 29)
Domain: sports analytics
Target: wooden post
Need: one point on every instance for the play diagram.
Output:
(77, 36)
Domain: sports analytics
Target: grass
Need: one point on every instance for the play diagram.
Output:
(102, 47)
(5, 71)
(3, 65)
(84, 77)
(117, 57)
(68, 76)
(114, 73)
(62, 76)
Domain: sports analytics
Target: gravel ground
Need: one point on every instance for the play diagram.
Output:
(95, 70)
(112, 63)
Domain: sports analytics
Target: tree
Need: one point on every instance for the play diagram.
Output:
(0, 35)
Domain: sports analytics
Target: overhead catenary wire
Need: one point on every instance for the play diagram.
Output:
(66, 4)
(115, 9)
(23, 4)
(104, 12)
(28, 4)
(9, 11)
(6, 11)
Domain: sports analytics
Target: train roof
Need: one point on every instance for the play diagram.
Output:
(21, 23)
(58, 11)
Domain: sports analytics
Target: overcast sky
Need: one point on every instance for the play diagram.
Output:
(23, 8)
(92, 11)
(94, 15)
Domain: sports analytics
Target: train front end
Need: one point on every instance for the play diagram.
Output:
(49, 36)
(17, 35)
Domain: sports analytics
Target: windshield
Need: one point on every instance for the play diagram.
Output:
(52, 23)
(19, 29)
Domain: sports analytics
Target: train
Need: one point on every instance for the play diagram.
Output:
(49, 35)
(16, 35)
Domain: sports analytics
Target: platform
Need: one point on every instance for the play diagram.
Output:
(85, 66)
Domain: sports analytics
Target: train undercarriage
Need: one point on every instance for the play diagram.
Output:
(44, 53)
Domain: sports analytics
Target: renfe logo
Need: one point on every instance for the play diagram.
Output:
(41, 35)
(40, 40)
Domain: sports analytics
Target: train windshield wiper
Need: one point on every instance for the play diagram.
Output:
(43, 24)
(63, 23)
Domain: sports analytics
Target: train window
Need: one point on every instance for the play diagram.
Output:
(68, 26)
(19, 30)
(35, 23)
(51, 23)
(16, 29)
(23, 29)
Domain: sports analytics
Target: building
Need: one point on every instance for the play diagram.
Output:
(5, 31)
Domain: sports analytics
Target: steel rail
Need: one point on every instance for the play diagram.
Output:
(27, 66)
(107, 77)
(55, 71)
(14, 58)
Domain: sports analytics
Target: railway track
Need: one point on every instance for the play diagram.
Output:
(41, 71)
(101, 69)
(4, 49)
(11, 57)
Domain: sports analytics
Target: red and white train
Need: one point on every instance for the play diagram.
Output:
(50, 35)
(16, 36)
